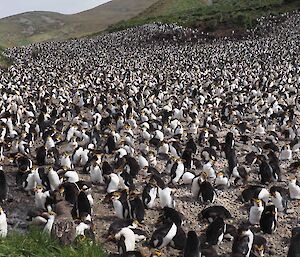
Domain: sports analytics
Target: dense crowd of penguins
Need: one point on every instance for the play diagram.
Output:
(148, 111)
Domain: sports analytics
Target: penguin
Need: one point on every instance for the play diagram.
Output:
(177, 171)
(53, 179)
(41, 178)
(3, 186)
(268, 220)
(192, 246)
(243, 241)
(3, 223)
(137, 210)
(294, 248)
(163, 235)
(215, 231)
(112, 183)
(279, 198)
(213, 212)
(259, 246)
(149, 194)
(221, 181)
(170, 214)
(294, 188)
(70, 191)
(82, 206)
(286, 153)
(126, 240)
(166, 197)
(120, 204)
(41, 154)
(266, 172)
(256, 211)
(255, 192)
(207, 192)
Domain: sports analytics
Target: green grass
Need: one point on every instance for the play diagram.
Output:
(37, 244)
(4, 62)
(192, 13)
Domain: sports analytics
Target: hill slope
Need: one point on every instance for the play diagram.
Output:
(210, 14)
(39, 26)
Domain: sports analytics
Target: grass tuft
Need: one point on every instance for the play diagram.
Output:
(38, 244)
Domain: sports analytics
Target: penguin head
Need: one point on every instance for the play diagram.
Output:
(259, 250)
(257, 202)
(156, 253)
(1, 210)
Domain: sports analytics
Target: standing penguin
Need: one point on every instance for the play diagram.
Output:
(177, 171)
(149, 194)
(192, 246)
(243, 241)
(255, 211)
(268, 220)
(294, 249)
(3, 223)
(279, 197)
(215, 231)
(3, 186)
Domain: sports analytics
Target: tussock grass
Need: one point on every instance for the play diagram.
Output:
(37, 244)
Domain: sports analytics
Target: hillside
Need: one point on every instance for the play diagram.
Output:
(32, 27)
(210, 15)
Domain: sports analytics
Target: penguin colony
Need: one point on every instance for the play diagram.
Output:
(157, 141)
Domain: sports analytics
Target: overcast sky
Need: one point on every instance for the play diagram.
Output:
(11, 7)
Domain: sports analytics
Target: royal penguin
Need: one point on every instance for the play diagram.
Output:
(166, 197)
(294, 248)
(221, 181)
(268, 220)
(243, 241)
(126, 240)
(170, 214)
(3, 223)
(70, 191)
(213, 212)
(113, 183)
(41, 154)
(259, 246)
(53, 178)
(149, 194)
(279, 197)
(71, 176)
(256, 211)
(82, 206)
(192, 246)
(120, 204)
(294, 188)
(40, 197)
(255, 192)
(215, 231)
(286, 153)
(206, 191)
(137, 209)
(3, 185)
(163, 235)
(177, 171)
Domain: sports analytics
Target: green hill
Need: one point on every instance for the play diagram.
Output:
(209, 14)
(32, 27)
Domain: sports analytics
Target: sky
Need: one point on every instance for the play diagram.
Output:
(11, 7)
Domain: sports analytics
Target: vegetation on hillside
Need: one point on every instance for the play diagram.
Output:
(209, 14)
(38, 244)
(4, 62)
